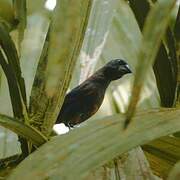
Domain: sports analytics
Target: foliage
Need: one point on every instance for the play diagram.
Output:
(80, 32)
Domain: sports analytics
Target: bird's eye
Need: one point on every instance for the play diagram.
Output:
(121, 62)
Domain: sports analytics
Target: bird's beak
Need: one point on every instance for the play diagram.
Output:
(125, 68)
(128, 68)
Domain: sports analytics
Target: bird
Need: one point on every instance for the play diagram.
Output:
(84, 100)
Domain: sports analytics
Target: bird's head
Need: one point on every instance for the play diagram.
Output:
(115, 69)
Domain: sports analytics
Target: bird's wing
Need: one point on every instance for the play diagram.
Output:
(78, 103)
(74, 95)
(80, 92)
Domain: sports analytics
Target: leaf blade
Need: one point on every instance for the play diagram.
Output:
(97, 142)
(69, 25)
(148, 49)
(21, 129)
(20, 14)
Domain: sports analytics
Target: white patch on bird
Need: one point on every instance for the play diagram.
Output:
(60, 128)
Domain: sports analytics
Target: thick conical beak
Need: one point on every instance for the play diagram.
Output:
(125, 68)
(128, 68)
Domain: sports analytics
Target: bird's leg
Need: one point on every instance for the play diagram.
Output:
(69, 126)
